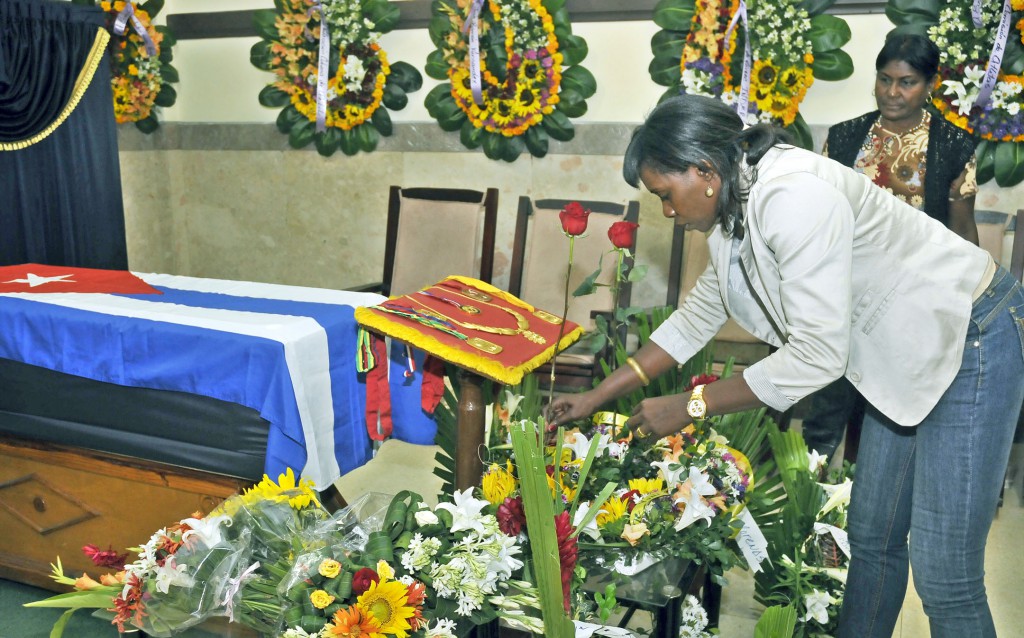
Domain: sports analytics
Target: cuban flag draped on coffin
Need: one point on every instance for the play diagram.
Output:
(288, 352)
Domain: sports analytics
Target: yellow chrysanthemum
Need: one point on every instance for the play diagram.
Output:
(321, 599)
(330, 568)
(612, 510)
(386, 602)
(646, 485)
(498, 484)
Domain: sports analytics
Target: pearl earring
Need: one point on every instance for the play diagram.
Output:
(709, 192)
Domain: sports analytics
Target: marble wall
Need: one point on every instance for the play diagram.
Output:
(233, 201)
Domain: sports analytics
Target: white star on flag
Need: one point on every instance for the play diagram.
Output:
(35, 280)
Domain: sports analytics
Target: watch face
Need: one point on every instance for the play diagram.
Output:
(696, 408)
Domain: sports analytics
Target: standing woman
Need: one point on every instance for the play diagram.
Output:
(923, 160)
(845, 280)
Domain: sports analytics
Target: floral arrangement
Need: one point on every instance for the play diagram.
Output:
(964, 52)
(140, 65)
(274, 560)
(791, 44)
(804, 522)
(530, 80)
(350, 112)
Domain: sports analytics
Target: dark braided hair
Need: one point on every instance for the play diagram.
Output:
(693, 130)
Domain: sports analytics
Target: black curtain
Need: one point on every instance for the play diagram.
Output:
(60, 180)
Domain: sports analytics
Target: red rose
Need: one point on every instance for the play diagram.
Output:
(700, 379)
(511, 516)
(362, 580)
(574, 218)
(623, 234)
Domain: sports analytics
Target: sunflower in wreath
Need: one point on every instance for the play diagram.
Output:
(511, 74)
(333, 81)
(140, 61)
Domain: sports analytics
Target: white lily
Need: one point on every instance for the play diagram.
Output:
(465, 511)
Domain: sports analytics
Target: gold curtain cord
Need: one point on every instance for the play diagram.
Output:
(85, 76)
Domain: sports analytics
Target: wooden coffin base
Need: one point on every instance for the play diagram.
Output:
(55, 499)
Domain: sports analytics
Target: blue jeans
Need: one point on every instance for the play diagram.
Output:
(939, 483)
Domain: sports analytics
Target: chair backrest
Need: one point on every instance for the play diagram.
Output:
(992, 231)
(436, 232)
(687, 260)
(540, 256)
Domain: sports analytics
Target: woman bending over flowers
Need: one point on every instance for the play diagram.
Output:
(846, 280)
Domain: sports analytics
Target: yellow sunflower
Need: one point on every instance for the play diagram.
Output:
(386, 602)
(298, 494)
(646, 485)
(612, 510)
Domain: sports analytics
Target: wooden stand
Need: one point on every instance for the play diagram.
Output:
(470, 442)
(55, 499)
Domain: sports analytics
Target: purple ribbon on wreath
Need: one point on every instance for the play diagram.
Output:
(323, 67)
(743, 103)
(473, 24)
(121, 23)
(998, 49)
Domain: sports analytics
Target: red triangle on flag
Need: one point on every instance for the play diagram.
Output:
(39, 278)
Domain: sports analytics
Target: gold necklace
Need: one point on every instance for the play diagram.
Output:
(522, 325)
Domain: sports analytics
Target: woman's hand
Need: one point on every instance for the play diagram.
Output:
(571, 407)
(660, 416)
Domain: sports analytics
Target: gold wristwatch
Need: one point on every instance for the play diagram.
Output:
(696, 407)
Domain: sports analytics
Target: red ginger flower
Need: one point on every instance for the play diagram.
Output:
(574, 219)
(511, 516)
(567, 552)
(700, 379)
(105, 558)
(623, 234)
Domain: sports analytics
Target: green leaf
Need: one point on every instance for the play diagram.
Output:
(553, 5)
(571, 102)
(169, 39)
(448, 114)
(802, 132)
(776, 622)
(494, 145)
(1009, 163)
(437, 95)
(580, 79)
(99, 598)
(260, 55)
(263, 20)
(348, 144)
(558, 126)
(383, 14)
(537, 141)
(169, 73)
(395, 97)
(573, 48)
(327, 142)
(382, 122)
(166, 97)
(665, 71)
(637, 273)
(367, 136)
(1013, 57)
(274, 97)
(58, 627)
(909, 11)
(589, 285)
(436, 67)
(152, 7)
(438, 28)
(914, 28)
(674, 15)
(148, 125)
(471, 136)
(301, 134)
(986, 154)
(289, 117)
(668, 44)
(406, 76)
(513, 148)
(497, 58)
(815, 7)
(828, 32)
(832, 65)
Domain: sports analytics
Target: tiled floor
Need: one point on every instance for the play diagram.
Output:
(409, 466)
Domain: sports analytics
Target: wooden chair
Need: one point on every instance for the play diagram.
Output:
(436, 232)
(540, 253)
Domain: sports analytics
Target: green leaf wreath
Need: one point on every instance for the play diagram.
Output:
(964, 52)
(792, 44)
(362, 83)
(140, 81)
(531, 79)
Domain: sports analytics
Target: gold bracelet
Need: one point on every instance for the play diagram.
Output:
(631, 362)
